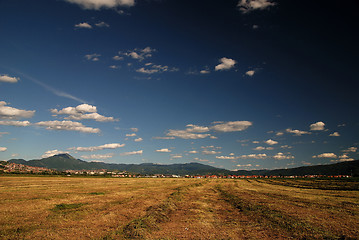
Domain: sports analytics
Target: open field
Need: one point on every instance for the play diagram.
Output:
(166, 208)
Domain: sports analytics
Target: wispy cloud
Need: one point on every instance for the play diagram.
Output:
(51, 89)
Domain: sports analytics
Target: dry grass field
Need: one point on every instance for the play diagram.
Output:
(158, 208)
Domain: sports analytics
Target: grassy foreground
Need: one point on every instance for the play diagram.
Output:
(109, 208)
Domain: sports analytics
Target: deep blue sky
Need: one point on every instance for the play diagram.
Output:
(235, 84)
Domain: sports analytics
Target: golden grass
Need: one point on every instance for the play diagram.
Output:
(112, 208)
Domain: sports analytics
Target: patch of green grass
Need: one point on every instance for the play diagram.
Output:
(97, 193)
(64, 206)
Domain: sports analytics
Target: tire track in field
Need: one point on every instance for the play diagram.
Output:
(140, 228)
(203, 213)
(273, 214)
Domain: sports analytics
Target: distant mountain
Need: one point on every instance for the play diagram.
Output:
(63, 162)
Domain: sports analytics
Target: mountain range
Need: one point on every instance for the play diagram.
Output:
(63, 162)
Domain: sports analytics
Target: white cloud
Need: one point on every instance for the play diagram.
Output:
(138, 140)
(250, 73)
(246, 6)
(165, 138)
(98, 156)
(134, 129)
(286, 146)
(260, 148)
(197, 132)
(334, 134)
(210, 152)
(227, 157)
(67, 126)
(113, 67)
(131, 135)
(102, 24)
(147, 71)
(93, 57)
(51, 153)
(325, 155)
(255, 156)
(97, 148)
(163, 150)
(296, 132)
(244, 165)
(117, 58)
(196, 128)
(15, 123)
(184, 134)
(3, 149)
(99, 4)
(176, 156)
(6, 78)
(83, 25)
(234, 126)
(225, 64)
(81, 112)
(139, 54)
(318, 126)
(205, 71)
(351, 149)
(13, 113)
(139, 152)
(279, 134)
(193, 151)
(281, 156)
(156, 69)
(271, 142)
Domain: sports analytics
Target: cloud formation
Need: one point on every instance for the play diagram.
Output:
(271, 142)
(6, 78)
(325, 155)
(163, 150)
(3, 149)
(15, 123)
(99, 4)
(93, 57)
(184, 134)
(296, 132)
(334, 134)
(97, 156)
(138, 53)
(14, 113)
(318, 126)
(81, 112)
(250, 73)
(281, 156)
(139, 152)
(97, 148)
(67, 126)
(246, 6)
(255, 156)
(225, 64)
(234, 126)
(51, 153)
(83, 25)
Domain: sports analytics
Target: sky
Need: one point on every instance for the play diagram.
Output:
(245, 84)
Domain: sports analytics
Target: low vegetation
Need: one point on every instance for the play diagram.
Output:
(156, 208)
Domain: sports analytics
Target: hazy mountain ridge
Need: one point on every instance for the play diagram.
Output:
(63, 162)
